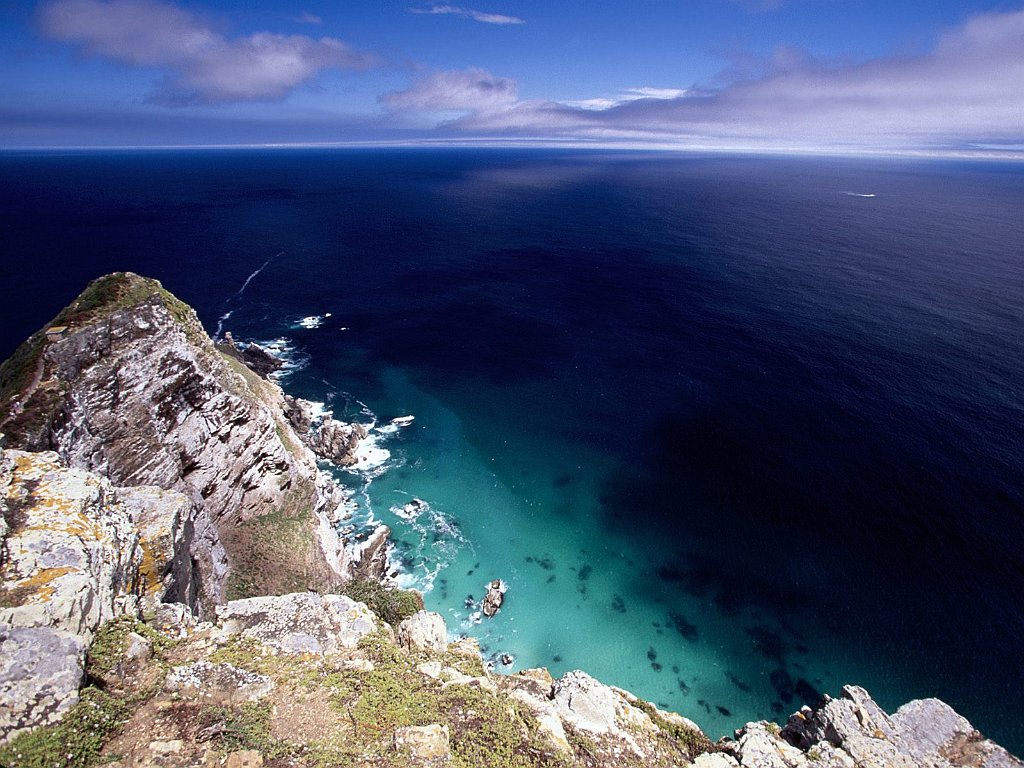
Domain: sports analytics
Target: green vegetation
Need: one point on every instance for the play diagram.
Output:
(110, 644)
(245, 727)
(277, 553)
(392, 605)
(76, 741)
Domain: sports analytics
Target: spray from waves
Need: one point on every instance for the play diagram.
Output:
(858, 194)
(238, 296)
(430, 542)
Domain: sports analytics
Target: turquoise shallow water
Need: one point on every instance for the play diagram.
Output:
(503, 504)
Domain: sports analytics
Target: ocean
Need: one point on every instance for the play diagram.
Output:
(734, 430)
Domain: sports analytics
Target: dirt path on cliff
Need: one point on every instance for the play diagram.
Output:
(26, 393)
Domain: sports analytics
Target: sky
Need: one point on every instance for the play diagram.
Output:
(845, 76)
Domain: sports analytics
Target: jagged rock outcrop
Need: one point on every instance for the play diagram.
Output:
(75, 552)
(494, 598)
(855, 731)
(135, 390)
(337, 441)
(261, 361)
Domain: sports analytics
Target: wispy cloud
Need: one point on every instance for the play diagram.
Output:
(308, 18)
(469, 13)
(202, 65)
(630, 94)
(967, 89)
(467, 90)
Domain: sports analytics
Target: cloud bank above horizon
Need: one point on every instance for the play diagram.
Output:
(964, 89)
(968, 88)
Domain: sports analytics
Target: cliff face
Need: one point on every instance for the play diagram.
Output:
(134, 390)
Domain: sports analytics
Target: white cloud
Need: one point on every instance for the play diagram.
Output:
(467, 90)
(630, 94)
(968, 89)
(202, 65)
(469, 13)
(308, 18)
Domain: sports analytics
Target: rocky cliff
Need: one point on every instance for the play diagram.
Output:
(126, 383)
(159, 477)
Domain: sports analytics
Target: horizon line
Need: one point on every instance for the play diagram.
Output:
(983, 152)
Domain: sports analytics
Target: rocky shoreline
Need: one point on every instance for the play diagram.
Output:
(160, 485)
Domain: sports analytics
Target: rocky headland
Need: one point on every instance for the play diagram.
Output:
(174, 591)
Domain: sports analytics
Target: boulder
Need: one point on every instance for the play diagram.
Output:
(302, 622)
(337, 441)
(423, 630)
(584, 702)
(495, 597)
(41, 669)
(424, 742)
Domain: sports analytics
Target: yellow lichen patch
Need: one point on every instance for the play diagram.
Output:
(39, 587)
(150, 569)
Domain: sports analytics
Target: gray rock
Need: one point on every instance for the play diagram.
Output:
(221, 683)
(854, 730)
(302, 622)
(41, 669)
(424, 742)
(368, 559)
(494, 598)
(147, 399)
(423, 630)
(584, 702)
(337, 441)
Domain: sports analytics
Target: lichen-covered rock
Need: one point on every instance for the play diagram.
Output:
(220, 683)
(41, 669)
(74, 556)
(303, 622)
(423, 630)
(424, 742)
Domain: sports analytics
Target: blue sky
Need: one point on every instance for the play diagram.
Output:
(820, 75)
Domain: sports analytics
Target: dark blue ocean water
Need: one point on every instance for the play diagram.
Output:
(780, 400)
